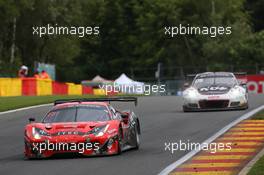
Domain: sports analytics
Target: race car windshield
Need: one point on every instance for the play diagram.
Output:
(77, 114)
(217, 80)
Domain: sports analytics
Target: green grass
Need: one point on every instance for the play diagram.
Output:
(258, 116)
(258, 168)
(8, 103)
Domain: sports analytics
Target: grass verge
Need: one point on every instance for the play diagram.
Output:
(258, 168)
(8, 103)
(258, 116)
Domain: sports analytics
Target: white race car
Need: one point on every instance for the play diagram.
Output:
(215, 91)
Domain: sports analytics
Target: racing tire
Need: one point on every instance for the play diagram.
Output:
(246, 107)
(137, 139)
(119, 141)
(26, 157)
(185, 109)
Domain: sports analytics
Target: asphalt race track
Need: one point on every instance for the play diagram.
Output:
(161, 121)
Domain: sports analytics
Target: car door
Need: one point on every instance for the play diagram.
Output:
(124, 124)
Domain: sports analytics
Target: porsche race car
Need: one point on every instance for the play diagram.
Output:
(215, 91)
(85, 126)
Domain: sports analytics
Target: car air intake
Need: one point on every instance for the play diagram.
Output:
(193, 105)
(234, 104)
(207, 104)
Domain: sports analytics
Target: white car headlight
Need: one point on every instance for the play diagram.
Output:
(191, 93)
(35, 133)
(99, 131)
(237, 92)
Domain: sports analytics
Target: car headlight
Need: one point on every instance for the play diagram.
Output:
(99, 130)
(191, 93)
(37, 133)
(236, 92)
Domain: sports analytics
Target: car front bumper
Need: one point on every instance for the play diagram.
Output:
(104, 148)
(214, 102)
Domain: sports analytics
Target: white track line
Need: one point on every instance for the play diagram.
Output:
(186, 157)
(26, 108)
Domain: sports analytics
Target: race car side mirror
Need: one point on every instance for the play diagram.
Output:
(125, 117)
(243, 84)
(31, 120)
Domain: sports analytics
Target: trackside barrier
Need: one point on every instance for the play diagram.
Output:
(99, 92)
(111, 93)
(59, 88)
(255, 84)
(87, 90)
(44, 87)
(10, 87)
(34, 86)
(74, 89)
(29, 86)
(38, 87)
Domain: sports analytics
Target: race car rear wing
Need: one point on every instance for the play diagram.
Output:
(110, 99)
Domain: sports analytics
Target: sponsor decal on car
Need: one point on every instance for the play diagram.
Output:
(213, 97)
(213, 88)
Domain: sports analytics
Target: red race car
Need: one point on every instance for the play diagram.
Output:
(85, 126)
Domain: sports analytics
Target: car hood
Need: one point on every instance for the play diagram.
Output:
(69, 128)
(214, 89)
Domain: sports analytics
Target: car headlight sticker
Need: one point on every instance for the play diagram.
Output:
(99, 131)
(37, 133)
